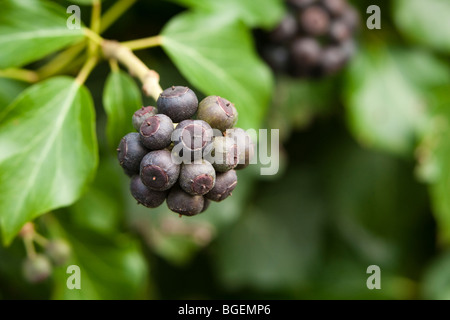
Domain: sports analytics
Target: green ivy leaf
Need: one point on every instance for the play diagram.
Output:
(110, 268)
(216, 54)
(121, 98)
(262, 13)
(32, 29)
(433, 159)
(385, 109)
(101, 208)
(425, 22)
(49, 151)
(9, 90)
(436, 281)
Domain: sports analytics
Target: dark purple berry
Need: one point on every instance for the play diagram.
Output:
(351, 18)
(37, 268)
(191, 138)
(225, 154)
(156, 132)
(225, 184)
(178, 103)
(245, 145)
(285, 30)
(314, 21)
(335, 7)
(339, 31)
(218, 112)
(58, 251)
(206, 203)
(197, 178)
(183, 203)
(145, 196)
(332, 60)
(143, 114)
(158, 171)
(305, 52)
(130, 153)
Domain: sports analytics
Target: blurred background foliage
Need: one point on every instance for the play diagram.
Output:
(364, 177)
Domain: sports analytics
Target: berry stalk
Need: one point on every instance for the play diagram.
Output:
(148, 77)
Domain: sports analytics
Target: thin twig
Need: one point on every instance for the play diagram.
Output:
(149, 78)
(95, 24)
(143, 43)
(114, 13)
(86, 70)
(20, 74)
(60, 61)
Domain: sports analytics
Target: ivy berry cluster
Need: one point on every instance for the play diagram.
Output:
(184, 152)
(314, 39)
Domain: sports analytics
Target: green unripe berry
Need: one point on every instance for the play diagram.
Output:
(58, 251)
(218, 112)
(246, 148)
(36, 269)
(225, 154)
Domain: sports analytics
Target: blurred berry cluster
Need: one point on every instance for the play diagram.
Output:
(314, 39)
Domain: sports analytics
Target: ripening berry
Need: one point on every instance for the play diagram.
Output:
(245, 145)
(225, 184)
(58, 251)
(218, 112)
(143, 114)
(225, 154)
